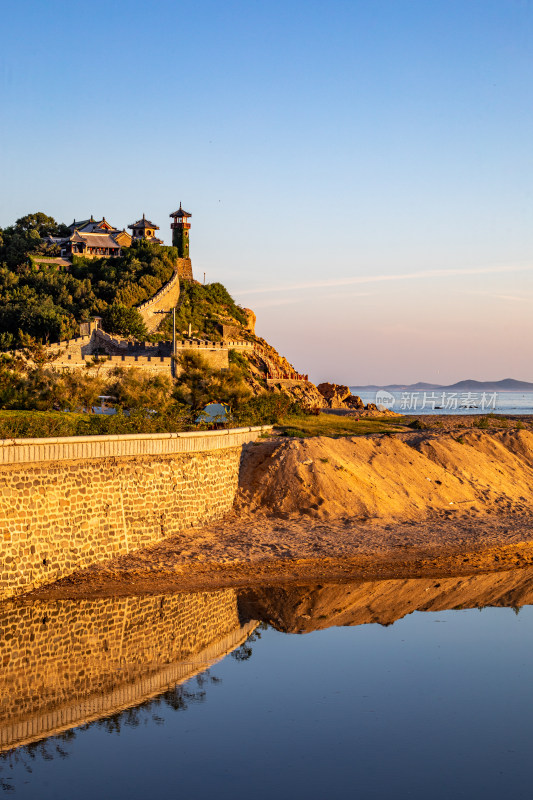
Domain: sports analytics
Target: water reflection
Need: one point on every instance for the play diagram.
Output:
(65, 663)
(109, 661)
(309, 608)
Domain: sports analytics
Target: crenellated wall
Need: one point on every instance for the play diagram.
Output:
(71, 502)
(154, 358)
(165, 299)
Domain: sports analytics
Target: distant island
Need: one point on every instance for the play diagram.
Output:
(505, 385)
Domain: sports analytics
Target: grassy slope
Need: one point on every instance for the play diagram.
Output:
(335, 426)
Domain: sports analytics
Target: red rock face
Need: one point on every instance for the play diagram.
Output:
(338, 396)
(250, 320)
(354, 401)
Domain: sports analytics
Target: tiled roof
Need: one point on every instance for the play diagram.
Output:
(180, 213)
(91, 225)
(144, 223)
(54, 239)
(124, 235)
(95, 239)
(79, 224)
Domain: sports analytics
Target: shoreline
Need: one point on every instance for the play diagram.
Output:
(429, 549)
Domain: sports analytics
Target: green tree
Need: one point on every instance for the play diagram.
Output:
(199, 384)
(136, 390)
(120, 319)
(193, 385)
(42, 223)
(75, 391)
(12, 380)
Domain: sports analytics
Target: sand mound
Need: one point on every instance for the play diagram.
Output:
(409, 476)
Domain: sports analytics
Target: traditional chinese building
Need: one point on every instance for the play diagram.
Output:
(97, 238)
(93, 239)
(180, 231)
(91, 245)
(144, 229)
(92, 226)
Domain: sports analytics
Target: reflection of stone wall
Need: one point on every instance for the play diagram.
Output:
(68, 503)
(66, 662)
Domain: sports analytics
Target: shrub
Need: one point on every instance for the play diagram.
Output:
(125, 321)
(417, 425)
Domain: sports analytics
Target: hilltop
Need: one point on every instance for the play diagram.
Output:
(48, 301)
(49, 298)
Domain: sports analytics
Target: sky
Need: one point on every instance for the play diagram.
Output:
(360, 172)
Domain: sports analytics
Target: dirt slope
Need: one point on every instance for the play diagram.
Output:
(317, 510)
(399, 477)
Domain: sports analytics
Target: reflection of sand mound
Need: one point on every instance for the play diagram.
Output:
(301, 609)
(391, 477)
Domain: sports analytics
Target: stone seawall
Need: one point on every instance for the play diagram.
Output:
(71, 502)
(93, 658)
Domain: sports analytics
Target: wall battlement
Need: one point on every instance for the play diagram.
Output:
(165, 299)
(152, 357)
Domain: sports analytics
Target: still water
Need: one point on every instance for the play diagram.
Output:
(374, 690)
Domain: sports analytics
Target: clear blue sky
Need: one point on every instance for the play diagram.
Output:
(359, 173)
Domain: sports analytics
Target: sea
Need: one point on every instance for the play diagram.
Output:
(444, 401)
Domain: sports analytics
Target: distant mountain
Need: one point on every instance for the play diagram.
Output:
(506, 385)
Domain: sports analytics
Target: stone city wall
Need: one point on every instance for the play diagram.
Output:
(153, 358)
(184, 268)
(166, 298)
(71, 502)
(66, 662)
(152, 365)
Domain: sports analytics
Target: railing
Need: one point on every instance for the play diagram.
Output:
(68, 448)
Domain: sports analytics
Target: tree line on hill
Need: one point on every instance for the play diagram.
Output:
(40, 304)
(48, 303)
(143, 403)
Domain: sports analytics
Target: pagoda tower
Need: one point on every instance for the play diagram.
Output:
(180, 231)
(144, 229)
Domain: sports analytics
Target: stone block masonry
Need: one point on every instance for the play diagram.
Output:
(76, 354)
(71, 502)
(65, 663)
(167, 297)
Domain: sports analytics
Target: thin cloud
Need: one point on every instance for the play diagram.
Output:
(512, 297)
(281, 301)
(344, 295)
(515, 298)
(406, 276)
